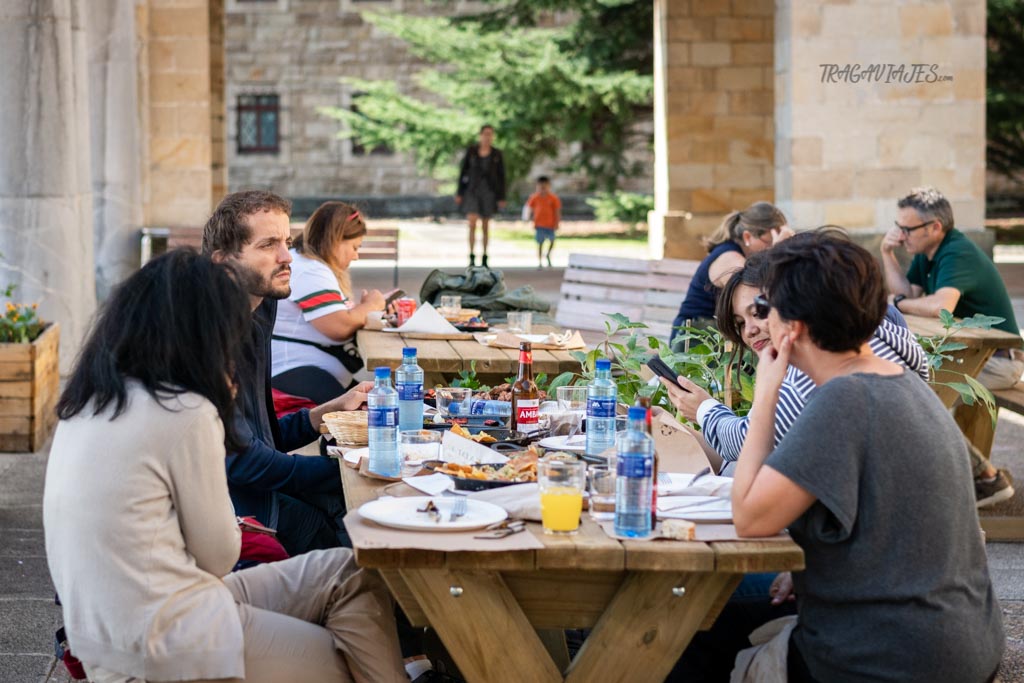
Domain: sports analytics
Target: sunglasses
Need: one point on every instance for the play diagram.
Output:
(761, 307)
(906, 230)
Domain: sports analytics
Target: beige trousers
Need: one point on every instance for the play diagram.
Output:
(315, 617)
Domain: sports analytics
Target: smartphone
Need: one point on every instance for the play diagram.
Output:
(661, 369)
(393, 297)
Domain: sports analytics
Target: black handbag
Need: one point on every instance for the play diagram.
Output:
(347, 352)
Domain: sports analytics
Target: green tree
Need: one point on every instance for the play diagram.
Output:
(1005, 95)
(541, 87)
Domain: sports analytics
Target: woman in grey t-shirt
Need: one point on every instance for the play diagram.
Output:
(872, 481)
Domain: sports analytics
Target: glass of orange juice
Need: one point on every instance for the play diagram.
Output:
(561, 494)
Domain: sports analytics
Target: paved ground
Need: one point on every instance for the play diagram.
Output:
(28, 616)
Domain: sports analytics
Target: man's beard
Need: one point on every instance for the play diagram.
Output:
(259, 286)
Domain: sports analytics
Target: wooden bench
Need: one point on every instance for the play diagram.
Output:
(379, 244)
(1012, 398)
(643, 290)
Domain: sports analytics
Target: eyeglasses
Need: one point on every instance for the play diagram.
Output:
(906, 230)
(761, 307)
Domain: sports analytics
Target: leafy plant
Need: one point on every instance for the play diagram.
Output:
(467, 379)
(939, 348)
(626, 207)
(704, 360)
(20, 323)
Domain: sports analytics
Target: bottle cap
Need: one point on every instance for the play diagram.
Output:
(408, 351)
(637, 413)
(603, 364)
(382, 373)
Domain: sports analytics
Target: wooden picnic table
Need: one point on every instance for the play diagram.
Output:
(500, 614)
(442, 359)
(974, 420)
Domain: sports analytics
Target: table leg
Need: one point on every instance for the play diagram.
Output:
(483, 628)
(976, 424)
(647, 621)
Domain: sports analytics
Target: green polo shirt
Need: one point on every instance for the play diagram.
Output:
(960, 264)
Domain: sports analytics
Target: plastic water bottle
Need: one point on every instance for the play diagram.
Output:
(633, 481)
(382, 404)
(409, 383)
(491, 408)
(601, 395)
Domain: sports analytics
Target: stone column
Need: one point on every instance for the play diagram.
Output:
(713, 115)
(46, 227)
(114, 118)
(874, 98)
(175, 102)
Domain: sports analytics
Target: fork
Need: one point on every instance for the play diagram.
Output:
(458, 510)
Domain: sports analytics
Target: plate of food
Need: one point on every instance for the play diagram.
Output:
(576, 443)
(426, 513)
(474, 324)
(521, 468)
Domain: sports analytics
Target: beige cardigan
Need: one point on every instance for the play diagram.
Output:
(139, 530)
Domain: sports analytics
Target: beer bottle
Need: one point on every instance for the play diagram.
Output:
(525, 396)
(645, 403)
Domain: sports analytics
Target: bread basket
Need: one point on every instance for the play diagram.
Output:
(348, 427)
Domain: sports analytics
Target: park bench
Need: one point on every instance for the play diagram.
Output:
(1012, 398)
(643, 290)
(379, 244)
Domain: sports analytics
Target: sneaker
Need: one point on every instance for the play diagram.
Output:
(991, 492)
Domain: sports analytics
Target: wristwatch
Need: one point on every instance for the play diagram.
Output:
(897, 299)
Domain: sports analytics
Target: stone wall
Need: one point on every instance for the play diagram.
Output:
(848, 146)
(713, 116)
(176, 97)
(300, 50)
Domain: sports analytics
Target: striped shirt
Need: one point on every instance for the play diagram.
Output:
(725, 431)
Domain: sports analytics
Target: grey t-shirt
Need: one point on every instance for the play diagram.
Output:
(896, 586)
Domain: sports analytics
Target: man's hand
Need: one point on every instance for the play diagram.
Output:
(353, 399)
(686, 402)
(893, 238)
(782, 589)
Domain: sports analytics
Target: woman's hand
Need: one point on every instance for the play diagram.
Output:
(772, 364)
(781, 234)
(782, 589)
(354, 398)
(373, 299)
(686, 402)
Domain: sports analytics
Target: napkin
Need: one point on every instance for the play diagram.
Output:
(426, 320)
(520, 501)
(679, 485)
(554, 341)
(432, 485)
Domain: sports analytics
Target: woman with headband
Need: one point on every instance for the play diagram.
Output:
(313, 354)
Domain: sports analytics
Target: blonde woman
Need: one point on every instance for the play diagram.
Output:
(741, 234)
(313, 350)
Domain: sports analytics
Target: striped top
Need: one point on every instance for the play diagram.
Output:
(725, 431)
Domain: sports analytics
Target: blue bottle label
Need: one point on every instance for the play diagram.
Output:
(633, 465)
(382, 417)
(601, 407)
(410, 391)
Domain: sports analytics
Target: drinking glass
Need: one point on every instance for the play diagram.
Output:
(454, 401)
(451, 306)
(572, 399)
(602, 492)
(520, 322)
(418, 445)
(561, 495)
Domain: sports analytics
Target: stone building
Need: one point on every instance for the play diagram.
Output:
(276, 135)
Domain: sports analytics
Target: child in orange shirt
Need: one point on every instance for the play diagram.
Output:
(547, 213)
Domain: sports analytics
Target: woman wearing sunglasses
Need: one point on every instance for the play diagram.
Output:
(741, 234)
(741, 319)
(873, 483)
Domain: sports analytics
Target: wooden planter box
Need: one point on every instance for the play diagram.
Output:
(29, 386)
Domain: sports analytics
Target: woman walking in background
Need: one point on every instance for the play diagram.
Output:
(481, 188)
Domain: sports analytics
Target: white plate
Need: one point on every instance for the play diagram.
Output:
(401, 513)
(572, 444)
(355, 455)
(705, 508)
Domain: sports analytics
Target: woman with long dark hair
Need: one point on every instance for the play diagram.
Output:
(313, 353)
(140, 531)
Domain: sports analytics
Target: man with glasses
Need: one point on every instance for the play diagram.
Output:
(950, 272)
